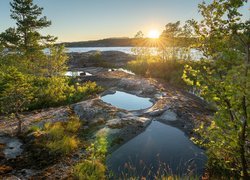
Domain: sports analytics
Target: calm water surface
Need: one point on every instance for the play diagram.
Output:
(195, 54)
(158, 144)
(127, 101)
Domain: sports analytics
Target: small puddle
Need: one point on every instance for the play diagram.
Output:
(123, 70)
(12, 147)
(159, 145)
(77, 73)
(127, 101)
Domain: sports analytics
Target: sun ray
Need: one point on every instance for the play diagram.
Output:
(154, 34)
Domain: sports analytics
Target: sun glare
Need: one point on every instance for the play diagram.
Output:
(154, 34)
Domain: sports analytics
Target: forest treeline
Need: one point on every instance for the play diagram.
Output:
(122, 42)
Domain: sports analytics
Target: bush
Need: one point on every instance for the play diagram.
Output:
(97, 60)
(89, 170)
(55, 91)
(55, 131)
(64, 146)
(169, 70)
(60, 137)
(51, 91)
(83, 91)
(73, 125)
(93, 166)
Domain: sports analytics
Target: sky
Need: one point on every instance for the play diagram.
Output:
(81, 20)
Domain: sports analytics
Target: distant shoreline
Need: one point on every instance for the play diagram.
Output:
(121, 42)
(111, 42)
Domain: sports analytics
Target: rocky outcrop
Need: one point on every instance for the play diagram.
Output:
(96, 58)
(171, 106)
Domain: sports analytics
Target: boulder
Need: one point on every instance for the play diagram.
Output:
(169, 116)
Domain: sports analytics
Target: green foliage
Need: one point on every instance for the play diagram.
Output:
(176, 41)
(33, 70)
(60, 137)
(51, 91)
(93, 167)
(169, 37)
(29, 77)
(73, 124)
(223, 78)
(169, 55)
(55, 91)
(15, 91)
(55, 131)
(38, 64)
(168, 70)
(84, 90)
(52, 64)
(34, 128)
(96, 57)
(26, 36)
(89, 170)
(97, 60)
(65, 145)
(98, 149)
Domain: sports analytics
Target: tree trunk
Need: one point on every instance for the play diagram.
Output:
(242, 150)
(242, 138)
(19, 126)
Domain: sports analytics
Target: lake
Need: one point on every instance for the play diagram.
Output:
(194, 53)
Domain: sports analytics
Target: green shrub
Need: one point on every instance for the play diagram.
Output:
(83, 91)
(169, 70)
(51, 91)
(55, 91)
(98, 149)
(73, 125)
(60, 137)
(97, 60)
(89, 170)
(93, 165)
(55, 131)
(34, 129)
(64, 146)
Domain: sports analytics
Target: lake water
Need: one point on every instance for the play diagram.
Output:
(87, 49)
(195, 54)
(76, 73)
(127, 101)
(159, 145)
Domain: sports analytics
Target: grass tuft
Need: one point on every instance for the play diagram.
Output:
(89, 170)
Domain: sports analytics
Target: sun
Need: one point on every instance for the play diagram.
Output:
(153, 34)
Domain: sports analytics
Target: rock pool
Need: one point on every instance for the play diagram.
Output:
(159, 145)
(127, 101)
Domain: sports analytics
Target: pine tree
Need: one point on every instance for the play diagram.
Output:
(29, 20)
(15, 93)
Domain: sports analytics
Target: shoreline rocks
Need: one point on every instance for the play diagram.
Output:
(97, 58)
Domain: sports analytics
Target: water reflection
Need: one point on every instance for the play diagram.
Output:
(127, 101)
(159, 147)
